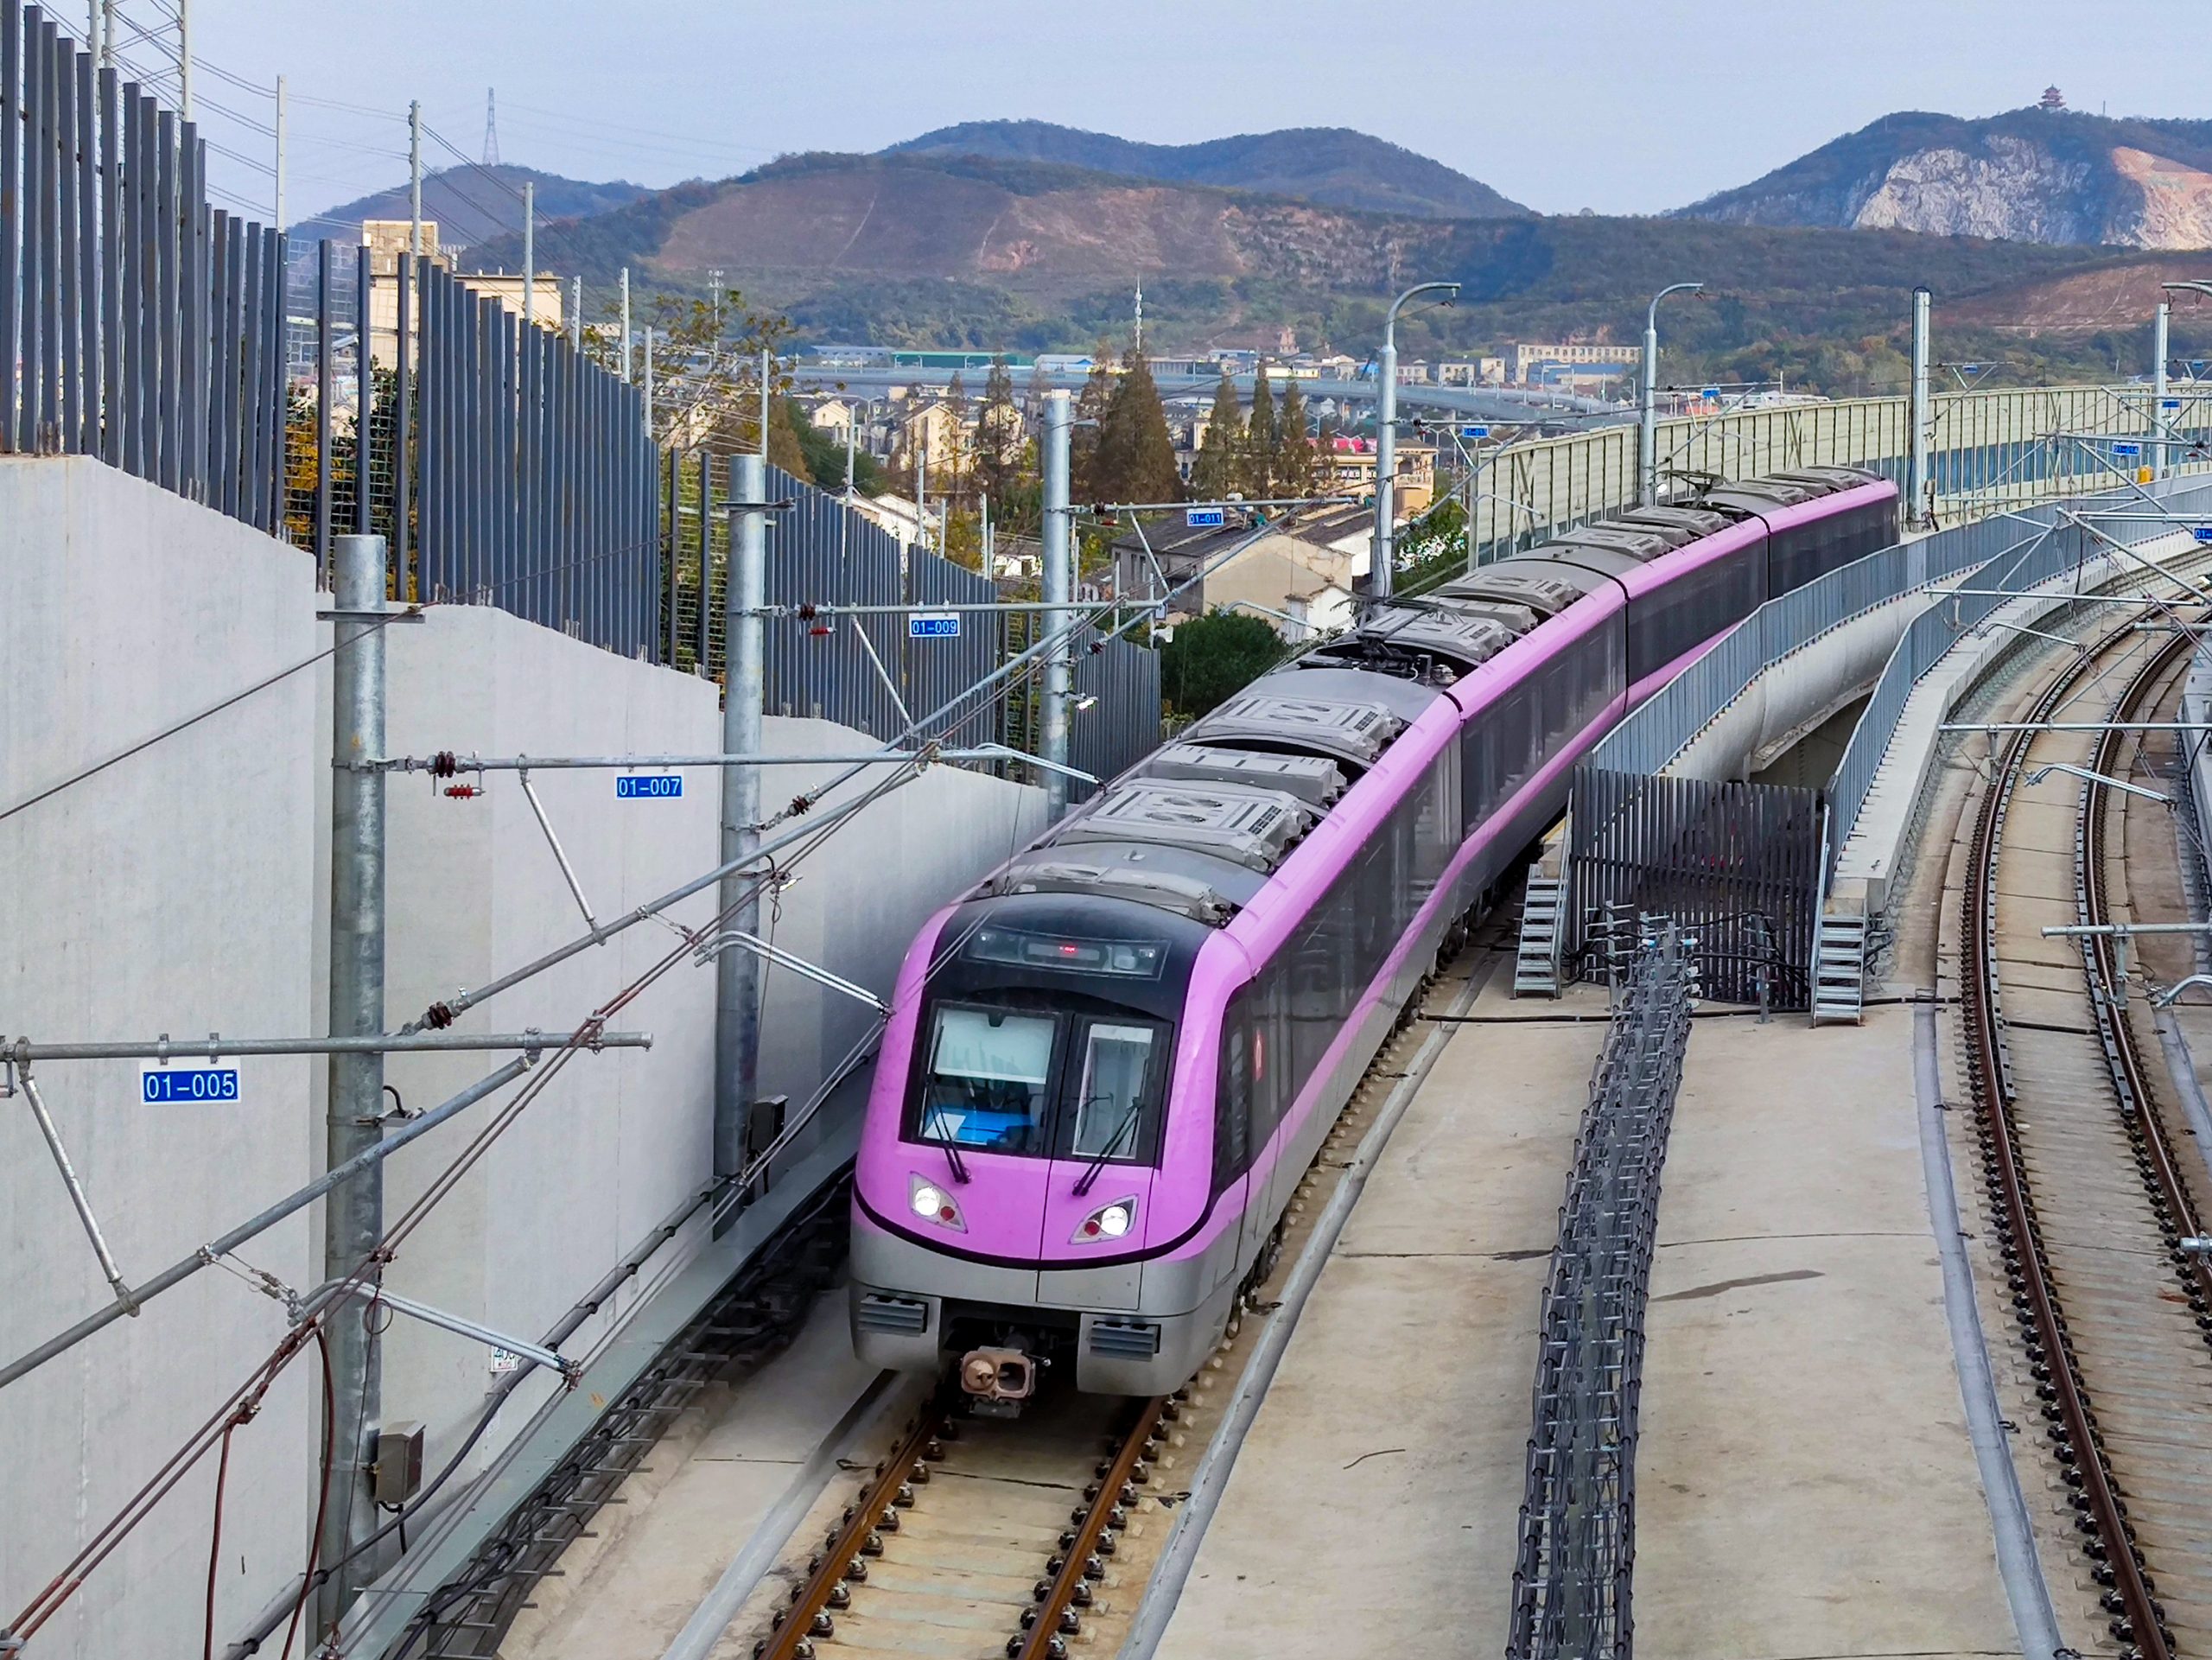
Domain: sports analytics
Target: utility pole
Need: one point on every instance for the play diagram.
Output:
(107, 33)
(529, 253)
(184, 58)
(415, 179)
(922, 487)
(2158, 349)
(575, 314)
(1916, 480)
(625, 351)
(649, 389)
(1060, 585)
(1379, 571)
(280, 132)
(737, 971)
(353, 1214)
(1647, 432)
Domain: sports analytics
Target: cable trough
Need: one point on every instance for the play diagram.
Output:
(1576, 1530)
(2090, 1201)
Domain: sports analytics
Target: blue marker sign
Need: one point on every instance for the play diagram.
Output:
(933, 625)
(648, 786)
(1474, 432)
(161, 1086)
(2127, 450)
(2169, 402)
(2204, 532)
(1204, 518)
(1710, 394)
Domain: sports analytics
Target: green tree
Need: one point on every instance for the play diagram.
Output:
(1294, 472)
(1220, 451)
(1089, 415)
(1262, 442)
(1134, 459)
(1213, 657)
(998, 432)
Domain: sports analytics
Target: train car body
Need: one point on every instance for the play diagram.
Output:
(1109, 1065)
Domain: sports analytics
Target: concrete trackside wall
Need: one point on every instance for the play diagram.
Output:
(172, 893)
(473, 890)
(185, 889)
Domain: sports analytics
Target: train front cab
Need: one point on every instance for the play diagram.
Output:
(1005, 1206)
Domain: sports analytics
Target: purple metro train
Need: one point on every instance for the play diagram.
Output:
(1110, 1064)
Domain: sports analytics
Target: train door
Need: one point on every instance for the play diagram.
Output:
(1099, 1187)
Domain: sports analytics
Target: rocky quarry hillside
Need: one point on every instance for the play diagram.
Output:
(2027, 175)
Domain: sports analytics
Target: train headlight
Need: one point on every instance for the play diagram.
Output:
(933, 1204)
(1108, 1221)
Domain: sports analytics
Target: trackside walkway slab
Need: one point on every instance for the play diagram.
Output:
(1373, 1508)
(1805, 1483)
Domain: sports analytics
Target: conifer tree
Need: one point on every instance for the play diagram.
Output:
(1293, 473)
(1089, 412)
(1262, 442)
(1134, 459)
(1220, 451)
(998, 431)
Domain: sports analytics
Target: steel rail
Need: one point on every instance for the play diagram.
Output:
(1096, 1525)
(2137, 1618)
(842, 1561)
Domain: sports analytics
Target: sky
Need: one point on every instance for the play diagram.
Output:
(1620, 107)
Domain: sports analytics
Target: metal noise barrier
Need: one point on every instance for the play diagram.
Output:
(2037, 545)
(1572, 1570)
(1991, 449)
(138, 323)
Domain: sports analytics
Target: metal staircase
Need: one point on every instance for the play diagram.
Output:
(1839, 970)
(1535, 965)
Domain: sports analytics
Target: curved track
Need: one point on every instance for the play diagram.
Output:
(2090, 1199)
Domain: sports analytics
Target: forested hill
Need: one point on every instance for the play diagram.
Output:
(1335, 165)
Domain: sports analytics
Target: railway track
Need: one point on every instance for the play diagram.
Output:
(965, 1541)
(2087, 1188)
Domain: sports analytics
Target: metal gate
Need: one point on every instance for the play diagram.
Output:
(1736, 864)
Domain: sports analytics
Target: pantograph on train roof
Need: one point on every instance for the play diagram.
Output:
(1250, 827)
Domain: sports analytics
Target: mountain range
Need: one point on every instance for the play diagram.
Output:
(2026, 175)
(1032, 237)
(1334, 166)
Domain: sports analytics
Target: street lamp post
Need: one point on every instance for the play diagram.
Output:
(1386, 446)
(1647, 444)
(2158, 350)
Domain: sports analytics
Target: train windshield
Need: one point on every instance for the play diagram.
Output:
(1111, 1099)
(989, 1079)
(1023, 1081)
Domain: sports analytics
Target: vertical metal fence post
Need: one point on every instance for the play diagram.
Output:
(353, 1214)
(12, 209)
(1058, 573)
(706, 646)
(192, 314)
(68, 237)
(403, 426)
(324, 483)
(38, 346)
(168, 219)
(113, 238)
(364, 393)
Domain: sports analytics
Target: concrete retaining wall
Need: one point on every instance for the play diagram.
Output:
(171, 893)
(185, 889)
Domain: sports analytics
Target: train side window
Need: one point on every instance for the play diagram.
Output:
(1232, 1105)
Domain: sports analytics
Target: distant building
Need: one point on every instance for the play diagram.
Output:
(1347, 467)
(1299, 577)
(1524, 361)
(387, 239)
(831, 414)
(896, 514)
(1476, 371)
(1412, 374)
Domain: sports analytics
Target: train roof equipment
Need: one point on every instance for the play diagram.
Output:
(1251, 827)
(1313, 778)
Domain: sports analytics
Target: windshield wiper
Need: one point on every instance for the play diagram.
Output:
(951, 1149)
(1089, 1177)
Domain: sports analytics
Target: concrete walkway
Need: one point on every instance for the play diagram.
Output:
(1373, 1509)
(1805, 1483)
